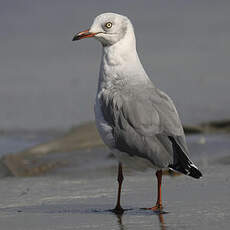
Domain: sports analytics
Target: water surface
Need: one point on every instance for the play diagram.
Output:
(80, 196)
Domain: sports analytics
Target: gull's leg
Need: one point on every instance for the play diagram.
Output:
(158, 205)
(118, 209)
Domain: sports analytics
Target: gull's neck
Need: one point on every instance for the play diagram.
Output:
(120, 63)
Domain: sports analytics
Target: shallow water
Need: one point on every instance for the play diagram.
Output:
(13, 142)
(81, 195)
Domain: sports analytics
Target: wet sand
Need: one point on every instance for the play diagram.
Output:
(80, 196)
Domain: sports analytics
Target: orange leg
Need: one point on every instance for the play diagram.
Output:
(118, 209)
(158, 205)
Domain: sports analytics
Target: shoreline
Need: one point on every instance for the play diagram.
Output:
(41, 158)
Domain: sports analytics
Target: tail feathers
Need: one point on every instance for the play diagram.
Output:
(182, 163)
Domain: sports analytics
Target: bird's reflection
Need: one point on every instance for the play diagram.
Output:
(161, 220)
(159, 214)
(119, 221)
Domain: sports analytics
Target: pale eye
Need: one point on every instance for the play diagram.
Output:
(108, 25)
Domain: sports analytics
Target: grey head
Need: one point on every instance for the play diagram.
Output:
(108, 28)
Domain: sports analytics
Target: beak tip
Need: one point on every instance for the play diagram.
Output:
(83, 34)
(75, 38)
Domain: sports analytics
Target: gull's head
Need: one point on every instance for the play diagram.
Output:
(108, 28)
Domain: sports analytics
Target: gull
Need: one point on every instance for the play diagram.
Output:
(136, 120)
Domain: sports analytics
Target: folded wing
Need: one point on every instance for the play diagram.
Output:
(145, 123)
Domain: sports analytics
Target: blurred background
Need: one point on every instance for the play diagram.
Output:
(49, 82)
(53, 165)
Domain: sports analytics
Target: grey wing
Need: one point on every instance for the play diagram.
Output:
(156, 112)
(174, 130)
(146, 124)
(139, 126)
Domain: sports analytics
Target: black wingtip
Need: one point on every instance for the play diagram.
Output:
(192, 171)
(181, 161)
(195, 173)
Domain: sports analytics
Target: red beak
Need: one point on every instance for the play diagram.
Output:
(83, 34)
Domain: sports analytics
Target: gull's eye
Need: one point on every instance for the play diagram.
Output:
(108, 25)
